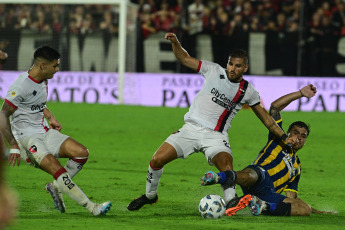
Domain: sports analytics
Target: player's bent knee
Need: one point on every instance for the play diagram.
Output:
(306, 209)
(300, 208)
(84, 152)
(223, 161)
(157, 163)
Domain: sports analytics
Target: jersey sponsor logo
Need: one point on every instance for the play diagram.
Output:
(221, 76)
(38, 107)
(33, 149)
(13, 93)
(221, 103)
(221, 99)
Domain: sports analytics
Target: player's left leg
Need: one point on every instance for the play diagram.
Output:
(223, 162)
(298, 207)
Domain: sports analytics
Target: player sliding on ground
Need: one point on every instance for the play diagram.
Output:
(277, 168)
(208, 120)
(40, 146)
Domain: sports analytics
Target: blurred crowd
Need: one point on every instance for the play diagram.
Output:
(55, 20)
(228, 22)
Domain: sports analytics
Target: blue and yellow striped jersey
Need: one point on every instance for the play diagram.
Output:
(281, 163)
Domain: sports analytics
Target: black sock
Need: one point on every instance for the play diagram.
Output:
(227, 177)
(278, 209)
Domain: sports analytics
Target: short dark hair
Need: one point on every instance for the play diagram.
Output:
(47, 53)
(239, 53)
(300, 124)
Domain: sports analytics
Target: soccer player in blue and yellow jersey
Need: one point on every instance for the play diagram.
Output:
(277, 168)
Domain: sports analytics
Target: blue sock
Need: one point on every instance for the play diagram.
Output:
(278, 209)
(272, 206)
(222, 177)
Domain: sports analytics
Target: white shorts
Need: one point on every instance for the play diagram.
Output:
(37, 146)
(192, 138)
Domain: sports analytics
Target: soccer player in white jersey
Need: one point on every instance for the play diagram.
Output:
(38, 143)
(208, 120)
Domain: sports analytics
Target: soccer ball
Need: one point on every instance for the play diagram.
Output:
(212, 206)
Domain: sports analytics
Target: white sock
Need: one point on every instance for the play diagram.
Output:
(153, 177)
(229, 193)
(72, 190)
(74, 165)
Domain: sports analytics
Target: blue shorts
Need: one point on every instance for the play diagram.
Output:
(264, 188)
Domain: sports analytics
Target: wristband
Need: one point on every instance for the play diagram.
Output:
(301, 93)
(15, 151)
(283, 137)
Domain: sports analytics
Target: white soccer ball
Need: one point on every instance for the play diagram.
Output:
(212, 206)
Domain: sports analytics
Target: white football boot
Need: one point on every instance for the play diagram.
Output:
(101, 209)
(57, 197)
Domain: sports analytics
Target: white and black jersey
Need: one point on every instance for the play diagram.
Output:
(219, 99)
(29, 98)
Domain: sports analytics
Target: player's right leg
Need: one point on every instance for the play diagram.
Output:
(165, 154)
(52, 166)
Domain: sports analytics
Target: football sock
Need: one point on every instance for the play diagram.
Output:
(227, 177)
(278, 209)
(229, 193)
(153, 177)
(74, 165)
(67, 186)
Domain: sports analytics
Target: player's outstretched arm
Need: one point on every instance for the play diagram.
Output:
(268, 121)
(181, 54)
(279, 104)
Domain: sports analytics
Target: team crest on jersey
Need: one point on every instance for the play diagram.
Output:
(13, 93)
(34, 92)
(33, 149)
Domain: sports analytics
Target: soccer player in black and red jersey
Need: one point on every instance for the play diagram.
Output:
(208, 120)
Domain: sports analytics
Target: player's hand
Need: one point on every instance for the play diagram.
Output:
(14, 157)
(171, 37)
(292, 141)
(308, 91)
(54, 124)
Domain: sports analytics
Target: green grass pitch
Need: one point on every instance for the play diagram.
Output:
(122, 140)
